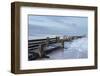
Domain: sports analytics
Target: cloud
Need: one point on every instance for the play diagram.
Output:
(58, 25)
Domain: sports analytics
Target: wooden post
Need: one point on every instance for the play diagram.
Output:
(41, 50)
(62, 43)
(57, 39)
(64, 37)
(47, 41)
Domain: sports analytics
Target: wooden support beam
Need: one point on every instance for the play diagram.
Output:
(47, 41)
(62, 43)
(41, 50)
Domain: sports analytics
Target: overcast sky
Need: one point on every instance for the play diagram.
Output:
(57, 25)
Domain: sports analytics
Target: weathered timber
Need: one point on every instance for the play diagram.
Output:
(39, 47)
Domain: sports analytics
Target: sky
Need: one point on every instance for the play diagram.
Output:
(39, 25)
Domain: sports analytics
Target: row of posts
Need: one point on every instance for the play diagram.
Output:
(43, 46)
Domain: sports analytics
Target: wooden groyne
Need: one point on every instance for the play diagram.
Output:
(39, 48)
